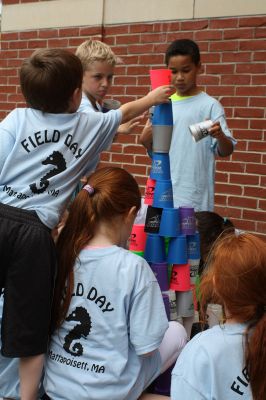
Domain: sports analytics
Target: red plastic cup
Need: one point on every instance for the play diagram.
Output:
(149, 191)
(160, 77)
(180, 278)
(137, 241)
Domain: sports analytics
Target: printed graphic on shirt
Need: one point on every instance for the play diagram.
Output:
(56, 159)
(241, 383)
(82, 329)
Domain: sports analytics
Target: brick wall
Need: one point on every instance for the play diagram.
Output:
(233, 56)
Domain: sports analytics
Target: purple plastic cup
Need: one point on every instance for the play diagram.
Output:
(187, 220)
(163, 194)
(166, 305)
(161, 272)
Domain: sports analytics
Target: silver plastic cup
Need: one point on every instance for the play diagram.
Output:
(161, 138)
(200, 130)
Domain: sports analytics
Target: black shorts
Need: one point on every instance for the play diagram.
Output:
(27, 272)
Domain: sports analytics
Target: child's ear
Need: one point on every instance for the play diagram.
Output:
(131, 214)
(75, 100)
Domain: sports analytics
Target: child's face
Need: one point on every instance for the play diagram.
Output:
(184, 74)
(97, 80)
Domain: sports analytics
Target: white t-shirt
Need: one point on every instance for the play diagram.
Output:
(210, 367)
(43, 156)
(116, 315)
(193, 164)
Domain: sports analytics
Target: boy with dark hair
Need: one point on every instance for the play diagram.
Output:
(45, 149)
(192, 163)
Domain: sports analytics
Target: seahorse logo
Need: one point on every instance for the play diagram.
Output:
(57, 159)
(83, 329)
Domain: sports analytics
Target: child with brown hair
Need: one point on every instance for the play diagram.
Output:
(228, 361)
(45, 149)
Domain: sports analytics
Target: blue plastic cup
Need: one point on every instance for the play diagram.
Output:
(170, 223)
(163, 194)
(160, 168)
(161, 272)
(154, 249)
(177, 251)
(193, 246)
(163, 114)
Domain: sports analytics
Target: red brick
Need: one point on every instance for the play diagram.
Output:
(49, 33)
(246, 157)
(90, 31)
(151, 59)
(21, 44)
(128, 39)
(254, 215)
(239, 33)
(245, 225)
(234, 101)
(236, 80)
(210, 57)
(262, 205)
(134, 150)
(249, 112)
(221, 90)
(260, 32)
(28, 35)
(136, 169)
(166, 26)
(138, 70)
(223, 23)
(221, 177)
(143, 160)
(219, 69)
(194, 25)
(252, 21)
(140, 28)
(257, 124)
(261, 227)
(236, 56)
(228, 189)
(125, 80)
(256, 169)
(9, 36)
(223, 46)
(260, 56)
(230, 166)
(208, 35)
(252, 45)
(152, 37)
(258, 192)
(244, 179)
(243, 202)
(140, 48)
(220, 200)
(251, 68)
(229, 212)
(251, 91)
(117, 30)
(171, 36)
(208, 80)
(258, 80)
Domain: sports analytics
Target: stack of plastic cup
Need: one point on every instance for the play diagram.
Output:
(153, 219)
(162, 128)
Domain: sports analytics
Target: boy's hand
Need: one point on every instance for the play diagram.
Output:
(146, 136)
(216, 131)
(129, 126)
(161, 94)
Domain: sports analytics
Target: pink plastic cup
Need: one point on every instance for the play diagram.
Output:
(137, 239)
(180, 278)
(160, 77)
(149, 191)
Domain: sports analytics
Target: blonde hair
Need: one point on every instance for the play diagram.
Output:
(95, 50)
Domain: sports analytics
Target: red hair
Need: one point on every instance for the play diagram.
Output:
(236, 278)
(115, 192)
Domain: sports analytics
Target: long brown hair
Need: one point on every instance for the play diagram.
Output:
(115, 192)
(236, 278)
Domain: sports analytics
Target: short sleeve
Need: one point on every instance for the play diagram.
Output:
(180, 389)
(148, 321)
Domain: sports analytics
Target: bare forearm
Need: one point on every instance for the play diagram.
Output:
(225, 146)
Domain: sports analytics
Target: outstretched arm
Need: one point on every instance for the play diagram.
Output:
(146, 136)
(135, 108)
